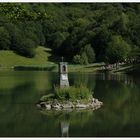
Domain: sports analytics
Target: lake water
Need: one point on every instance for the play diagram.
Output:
(19, 116)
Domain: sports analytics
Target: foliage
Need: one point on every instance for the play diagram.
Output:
(46, 97)
(73, 93)
(71, 29)
(81, 59)
(4, 39)
(77, 59)
(118, 49)
(84, 58)
(88, 50)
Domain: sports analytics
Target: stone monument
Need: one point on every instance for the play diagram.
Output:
(63, 72)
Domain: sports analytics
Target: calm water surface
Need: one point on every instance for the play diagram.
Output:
(119, 116)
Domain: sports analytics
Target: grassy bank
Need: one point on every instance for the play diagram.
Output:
(85, 68)
(42, 61)
(9, 59)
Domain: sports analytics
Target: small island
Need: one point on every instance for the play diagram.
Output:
(68, 97)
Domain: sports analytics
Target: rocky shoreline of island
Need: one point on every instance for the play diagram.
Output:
(64, 105)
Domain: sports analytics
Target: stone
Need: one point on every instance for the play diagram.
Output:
(55, 101)
(48, 106)
(67, 106)
(38, 105)
(56, 106)
(42, 104)
(81, 106)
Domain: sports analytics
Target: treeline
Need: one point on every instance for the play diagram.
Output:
(81, 33)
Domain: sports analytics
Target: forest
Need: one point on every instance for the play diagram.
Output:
(82, 33)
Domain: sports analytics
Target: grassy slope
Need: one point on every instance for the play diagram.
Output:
(85, 68)
(9, 58)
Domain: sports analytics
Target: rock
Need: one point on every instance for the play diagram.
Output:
(101, 103)
(66, 106)
(56, 106)
(43, 104)
(93, 100)
(78, 101)
(38, 105)
(48, 106)
(96, 100)
(81, 106)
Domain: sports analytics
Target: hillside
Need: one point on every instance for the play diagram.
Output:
(9, 59)
(83, 33)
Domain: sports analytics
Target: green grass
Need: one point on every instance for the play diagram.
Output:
(85, 68)
(43, 60)
(73, 93)
(8, 59)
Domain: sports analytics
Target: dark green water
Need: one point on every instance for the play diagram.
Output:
(119, 116)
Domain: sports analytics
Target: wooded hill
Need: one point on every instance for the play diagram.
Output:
(82, 33)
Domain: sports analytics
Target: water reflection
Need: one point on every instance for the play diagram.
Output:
(64, 129)
(128, 80)
(119, 116)
(69, 118)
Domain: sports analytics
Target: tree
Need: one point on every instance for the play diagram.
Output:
(70, 29)
(88, 50)
(77, 59)
(20, 42)
(100, 42)
(4, 39)
(117, 50)
(27, 48)
(84, 58)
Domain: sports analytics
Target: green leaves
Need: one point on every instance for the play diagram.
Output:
(4, 39)
(81, 33)
(117, 50)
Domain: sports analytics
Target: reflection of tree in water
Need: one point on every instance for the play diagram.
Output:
(121, 103)
(66, 118)
(126, 79)
(83, 78)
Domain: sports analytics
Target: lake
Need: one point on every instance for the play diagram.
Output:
(19, 116)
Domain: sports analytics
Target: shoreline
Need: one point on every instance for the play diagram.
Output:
(66, 105)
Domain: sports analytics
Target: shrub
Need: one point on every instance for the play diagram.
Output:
(4, 39)
(20, 43)
(89, 51)
(46, 97)
(27, 48)
(73, 93)
(117, 50)
(24, 46)
(77, 59)
(84, 58)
